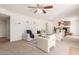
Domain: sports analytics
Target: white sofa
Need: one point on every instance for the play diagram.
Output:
(46, 43)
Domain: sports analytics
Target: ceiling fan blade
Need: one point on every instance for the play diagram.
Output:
(47, 7)
(31, 7)
(44, 11)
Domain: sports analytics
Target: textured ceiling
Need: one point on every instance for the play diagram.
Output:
(58, 11)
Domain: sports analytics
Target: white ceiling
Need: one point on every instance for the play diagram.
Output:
(58, 11)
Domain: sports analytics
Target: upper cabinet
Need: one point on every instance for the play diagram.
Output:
(64, 23)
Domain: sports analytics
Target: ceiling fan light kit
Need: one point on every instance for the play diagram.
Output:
(39, 10)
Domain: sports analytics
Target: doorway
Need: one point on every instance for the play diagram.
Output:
(4, 28)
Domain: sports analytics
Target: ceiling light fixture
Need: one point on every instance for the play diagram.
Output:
(39, 10)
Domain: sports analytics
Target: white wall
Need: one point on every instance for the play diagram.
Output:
(75, 27)
(7, 21)
(2, 29)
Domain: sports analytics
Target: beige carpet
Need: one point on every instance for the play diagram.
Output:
(74, 51)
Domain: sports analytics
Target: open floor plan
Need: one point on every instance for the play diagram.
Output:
(39, 29)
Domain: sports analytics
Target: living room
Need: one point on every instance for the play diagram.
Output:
(58, 19)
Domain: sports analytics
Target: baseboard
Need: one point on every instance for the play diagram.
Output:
(15, 40)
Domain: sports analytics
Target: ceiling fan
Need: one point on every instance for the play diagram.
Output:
(41, 8)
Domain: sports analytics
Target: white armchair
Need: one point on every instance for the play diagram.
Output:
(28, 35)
(46, 43)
